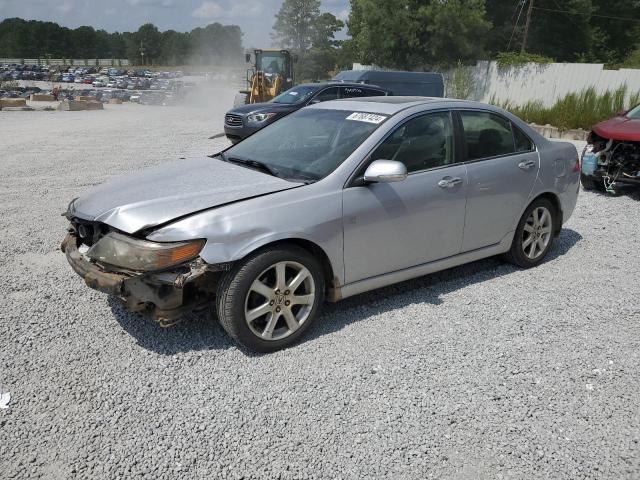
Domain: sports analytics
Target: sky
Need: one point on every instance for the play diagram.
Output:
(255, 17)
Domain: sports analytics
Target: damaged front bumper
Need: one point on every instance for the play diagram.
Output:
(167, 295)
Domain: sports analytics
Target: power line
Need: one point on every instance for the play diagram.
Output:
(526, 27)
(522, 4)
(588, 14)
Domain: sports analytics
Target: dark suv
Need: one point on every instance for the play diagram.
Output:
(242, 121)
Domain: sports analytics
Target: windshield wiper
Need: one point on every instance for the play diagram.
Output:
(255, 164)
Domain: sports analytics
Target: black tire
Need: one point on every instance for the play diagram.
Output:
(234, 287)
(591, 183)
(516, 254)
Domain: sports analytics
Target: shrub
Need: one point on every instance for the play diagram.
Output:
(576, 110)
(516, 59)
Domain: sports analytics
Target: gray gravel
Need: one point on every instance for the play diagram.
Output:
(482, 371)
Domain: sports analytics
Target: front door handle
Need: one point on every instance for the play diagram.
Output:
(449, 182)
(529, 164)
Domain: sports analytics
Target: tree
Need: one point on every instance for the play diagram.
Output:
(294, 26)
(418, 33)
(301, 27)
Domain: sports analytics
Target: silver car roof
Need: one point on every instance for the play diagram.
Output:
(393, 104)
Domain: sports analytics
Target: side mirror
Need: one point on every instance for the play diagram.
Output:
(247, 57)
(313, 101)
(385, 171)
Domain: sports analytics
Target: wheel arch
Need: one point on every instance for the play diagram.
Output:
(557, 205)
(331, 281)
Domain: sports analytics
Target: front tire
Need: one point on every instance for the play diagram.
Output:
(269, 300)
(534, 235)
(588, 182)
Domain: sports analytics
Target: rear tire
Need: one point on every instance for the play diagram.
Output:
(269, 300)
(534, 235)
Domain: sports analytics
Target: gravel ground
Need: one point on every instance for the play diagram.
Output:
(482, 371)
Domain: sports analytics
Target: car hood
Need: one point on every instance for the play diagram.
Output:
(158, 195)
(619, 128)
(264, 107)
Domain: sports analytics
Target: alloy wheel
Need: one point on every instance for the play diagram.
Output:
(280, 300)
(537, 232)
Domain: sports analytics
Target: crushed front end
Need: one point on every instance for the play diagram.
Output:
(177, 283)
(608, 164)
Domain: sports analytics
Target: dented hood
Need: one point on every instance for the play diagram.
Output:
(619, 128)
(158, 195)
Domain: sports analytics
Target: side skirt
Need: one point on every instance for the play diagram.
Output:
(386, 279)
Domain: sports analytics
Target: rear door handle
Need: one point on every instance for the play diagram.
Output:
(449, 182)
(529, 164)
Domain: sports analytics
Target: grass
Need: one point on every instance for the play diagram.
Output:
(576, 110)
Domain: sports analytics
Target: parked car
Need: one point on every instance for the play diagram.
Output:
(422, 84)
(241, 121)
(333, 200)
(611, 159)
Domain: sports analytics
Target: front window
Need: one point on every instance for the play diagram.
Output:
(421, 143)
(295, 95)
(634, 113)
(308, 144)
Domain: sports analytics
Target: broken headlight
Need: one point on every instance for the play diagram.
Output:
(142, 255)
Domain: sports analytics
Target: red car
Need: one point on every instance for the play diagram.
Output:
(611, 158)
(88, 79)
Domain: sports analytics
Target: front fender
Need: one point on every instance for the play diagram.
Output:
(234, 231)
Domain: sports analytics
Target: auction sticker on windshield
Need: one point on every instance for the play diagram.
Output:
(367, 117)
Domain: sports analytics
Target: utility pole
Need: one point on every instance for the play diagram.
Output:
(142, 52)
(526, 27)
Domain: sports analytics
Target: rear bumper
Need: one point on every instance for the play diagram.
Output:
(166, 295)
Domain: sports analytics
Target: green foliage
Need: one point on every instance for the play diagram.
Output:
(576, 110)
(301, 27)
(517, 59)
(214, 43)
(418, 33)
(295, 22)
(574, 35)
(633, 61)
(459, 82)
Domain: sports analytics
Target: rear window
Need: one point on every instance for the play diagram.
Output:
(295, 95)
(487, 135)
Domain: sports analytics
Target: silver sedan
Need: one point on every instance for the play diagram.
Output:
(334, 200)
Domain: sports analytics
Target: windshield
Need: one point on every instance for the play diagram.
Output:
(295, 95)
(272, 63)
(308, 144)
(634, 113)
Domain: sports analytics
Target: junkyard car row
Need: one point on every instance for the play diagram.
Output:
(327, 202)
(107, 83)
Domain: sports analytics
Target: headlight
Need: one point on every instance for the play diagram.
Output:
(260, 117)
(133, 254)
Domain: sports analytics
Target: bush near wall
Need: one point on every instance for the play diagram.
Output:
(576, 110)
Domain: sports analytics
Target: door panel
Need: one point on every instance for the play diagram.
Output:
(498, 191)
(392, 226)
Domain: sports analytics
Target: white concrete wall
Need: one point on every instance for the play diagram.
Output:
(547, 83)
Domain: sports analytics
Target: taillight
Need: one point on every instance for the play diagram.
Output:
(576, 166)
